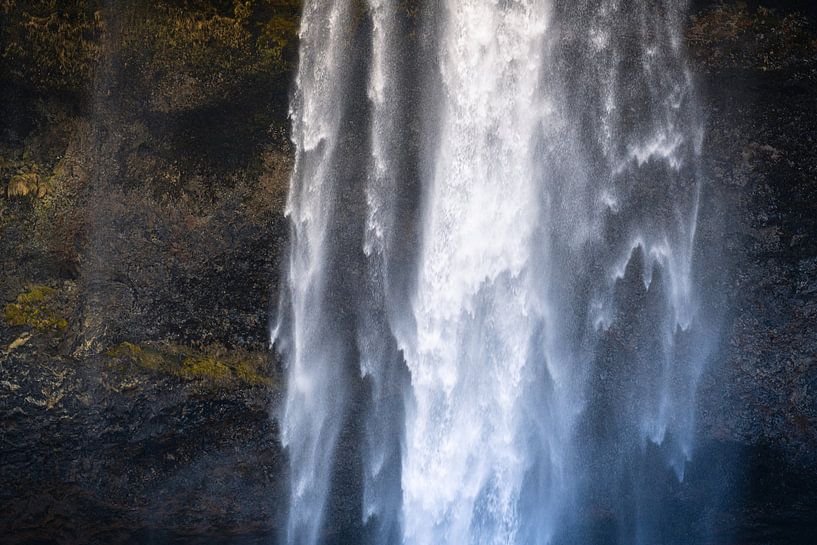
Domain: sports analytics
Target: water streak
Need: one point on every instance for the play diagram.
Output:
(317, 391)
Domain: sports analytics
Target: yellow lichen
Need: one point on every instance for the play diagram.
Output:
(35, 308)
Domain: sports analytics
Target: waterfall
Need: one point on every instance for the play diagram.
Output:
(308, 330)
(492, 282)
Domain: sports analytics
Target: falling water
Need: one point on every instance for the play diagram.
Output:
(317, 390)
(491, 284)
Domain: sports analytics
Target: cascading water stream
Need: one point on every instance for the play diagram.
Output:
(522, 327)
(317, 391)
(468, 445)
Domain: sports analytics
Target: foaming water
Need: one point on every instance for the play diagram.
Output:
(493, 288)
(467, 439)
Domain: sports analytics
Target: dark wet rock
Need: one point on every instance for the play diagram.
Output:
(761, 160)
(150, 218)
(95, 452)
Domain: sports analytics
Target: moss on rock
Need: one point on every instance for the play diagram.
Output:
(54, 46)
(35, 308)
(212, 364)
(276, 36)
(189, 55)
(26, 184)
(49, 45)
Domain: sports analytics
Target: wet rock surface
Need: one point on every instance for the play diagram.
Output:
(141, 229)
(760, 158)
(95, 453)
(144, 208)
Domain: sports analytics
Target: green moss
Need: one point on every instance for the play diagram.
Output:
(173, 40)
(35, 308)
(213, 364)
(205, 366)
(248, 371)
(148, 357)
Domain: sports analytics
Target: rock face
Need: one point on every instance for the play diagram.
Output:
(105, 451)
(758, 73)
(144, 166)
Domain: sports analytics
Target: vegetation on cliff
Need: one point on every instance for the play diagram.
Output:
(213, 363)
(35, 308)
(52, 46)
(142, 151)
